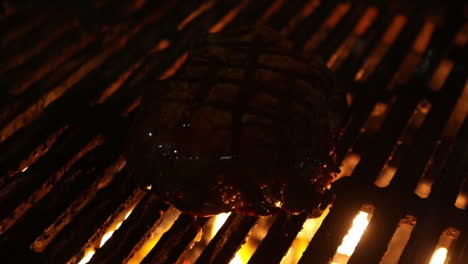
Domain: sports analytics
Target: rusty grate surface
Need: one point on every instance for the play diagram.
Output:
(71, 77)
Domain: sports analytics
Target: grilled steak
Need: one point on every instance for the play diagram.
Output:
(246, 125)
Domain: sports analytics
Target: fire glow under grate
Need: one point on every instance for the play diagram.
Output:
(71, 77)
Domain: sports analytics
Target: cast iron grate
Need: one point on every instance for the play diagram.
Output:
(71, 77)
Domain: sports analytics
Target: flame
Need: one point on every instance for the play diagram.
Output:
(107, 235)
(127, 215)
(446, 242)
(303, 238)
(439, 256)
(257, 234)
(152, 236)
(352, 238)
(349, 163)
(87, 257)
(245, 253)
(385, 176)
(424, 188)
(112, 229)
(218, 222)
(462, 200)
(202, 239)
(237, 260)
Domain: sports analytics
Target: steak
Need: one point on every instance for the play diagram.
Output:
(246, 125)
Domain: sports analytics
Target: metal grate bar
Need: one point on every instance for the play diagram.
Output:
(175, 241)
(148, 211)
(72, 79)
(327, 239)
(228, 240)
(279, 238)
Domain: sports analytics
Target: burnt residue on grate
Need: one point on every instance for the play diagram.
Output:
(71, 77)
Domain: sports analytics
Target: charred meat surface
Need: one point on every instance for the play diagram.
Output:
(246, 125)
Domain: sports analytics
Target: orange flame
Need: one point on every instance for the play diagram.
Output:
(237, 260)
(352, 238)
(257, 234)
(152, 236)
(202, 239)
(218, 222)
(87, 257)
(462, 200)
(303, 238)
(439, 256)
(107, 235)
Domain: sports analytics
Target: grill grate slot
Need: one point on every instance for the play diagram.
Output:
(72, 78)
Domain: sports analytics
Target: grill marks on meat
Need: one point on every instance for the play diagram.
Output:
(246, 125)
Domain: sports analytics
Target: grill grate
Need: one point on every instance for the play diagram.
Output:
(72, 76)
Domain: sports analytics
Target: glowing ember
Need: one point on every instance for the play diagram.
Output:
(351, 240)
(446, 242)
(439, 256)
